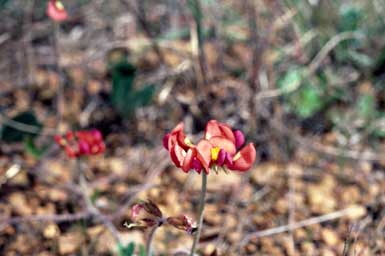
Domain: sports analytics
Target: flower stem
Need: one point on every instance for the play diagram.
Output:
(201, 209)
(150, 239)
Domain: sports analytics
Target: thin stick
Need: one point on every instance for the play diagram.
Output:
(90, 206)
(301, 224)
(256, 45)
(292, 206)
(201, 210)
(330, 45)
(60, 90)
(26, 127)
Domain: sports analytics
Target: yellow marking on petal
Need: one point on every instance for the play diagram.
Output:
(237, 156)
(215, 153)
(188, 142)
(59, 5)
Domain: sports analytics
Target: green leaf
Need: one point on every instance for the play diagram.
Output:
(291, 80)
(127, 250)
(32, 149)
(95, 195)
(308, 101)
(142, 251)
(350, 17)
(366, 106)
(10, 134)
(360, 59)
(303, 96)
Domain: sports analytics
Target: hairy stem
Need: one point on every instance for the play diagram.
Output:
(200, 214)
(149, 240)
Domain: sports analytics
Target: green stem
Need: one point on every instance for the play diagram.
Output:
(150, 239)
(201, 209)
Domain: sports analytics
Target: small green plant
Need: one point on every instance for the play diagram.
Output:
(129, 250)
(302, 95)
(29, 127)
(24, 127)
(124, 96)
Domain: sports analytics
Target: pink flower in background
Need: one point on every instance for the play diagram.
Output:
(56, 10)
(80, 143)
(219, 148)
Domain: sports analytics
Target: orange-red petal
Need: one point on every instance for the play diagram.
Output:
(223, 143)
(176, 154)
(177, 136)
(188, 160)
(204, 153)
(215, 128)
(244, 160)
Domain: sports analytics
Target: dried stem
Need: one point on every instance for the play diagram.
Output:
(196, 11)
(90, 206)
(60, 90)
(200, 214)
(300, 224)
(255, 43)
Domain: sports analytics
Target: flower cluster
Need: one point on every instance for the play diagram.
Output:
(87, 142)
(56, 11)
(147, 214)
(220, 147)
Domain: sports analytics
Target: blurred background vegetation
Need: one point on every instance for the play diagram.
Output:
(295, 75)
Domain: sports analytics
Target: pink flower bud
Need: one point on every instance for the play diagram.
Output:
(182, 222)
(135, 210)
(152, 209)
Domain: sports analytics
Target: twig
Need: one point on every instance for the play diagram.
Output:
(313, 66)
(26, 127)
(60, 90)
(330, 45)
(4, 38)
(312, 145)
(58, 218)
(292, 206)
(255, 42)
(196, 10)
(140, 13)
(296, 225)
(90, 206)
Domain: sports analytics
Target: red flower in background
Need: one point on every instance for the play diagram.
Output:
(218, 148)
(81, 143)
(56, 10)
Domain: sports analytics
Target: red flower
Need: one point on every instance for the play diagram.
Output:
(218, 148)
(81, 143)
(225, 143)
(56, 11)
